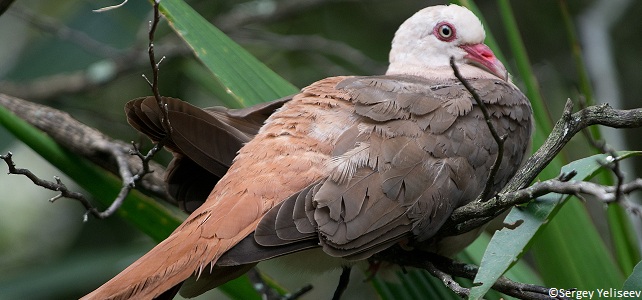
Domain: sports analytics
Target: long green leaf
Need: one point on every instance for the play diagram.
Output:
(507, 245)
(245, 78)
(634, 282)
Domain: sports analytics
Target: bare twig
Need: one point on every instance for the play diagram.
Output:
(602, 147)
(155, 70)
(129, 181)
(59, 186)
(54, 186)
(112, 155)
(498, 139)
(447, 279)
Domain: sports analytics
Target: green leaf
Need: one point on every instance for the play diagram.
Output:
(507, 245)
(634, 282)
(520, 270)
(245, 78)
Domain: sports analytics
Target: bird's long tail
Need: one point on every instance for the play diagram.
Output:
(180, 256)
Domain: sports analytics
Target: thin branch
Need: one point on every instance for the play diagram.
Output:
(298, 294)
(155, 69)
(129, 181)
(54, 186)
(447, 279)
(110, 154)
(150, 51)
(498, 139)
(602, 147)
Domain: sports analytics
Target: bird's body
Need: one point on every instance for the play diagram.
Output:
(352, 165)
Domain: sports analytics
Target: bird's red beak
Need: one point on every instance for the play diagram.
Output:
(481, 56)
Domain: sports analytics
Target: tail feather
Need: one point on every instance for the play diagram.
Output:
(146, 279)
(183, 254)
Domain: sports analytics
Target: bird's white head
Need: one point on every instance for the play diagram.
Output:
(424, 43)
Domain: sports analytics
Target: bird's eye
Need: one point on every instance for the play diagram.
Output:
(444, 32)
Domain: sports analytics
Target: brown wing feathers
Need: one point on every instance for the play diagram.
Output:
(204, 141)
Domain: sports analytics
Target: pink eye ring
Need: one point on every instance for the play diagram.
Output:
(445, 32)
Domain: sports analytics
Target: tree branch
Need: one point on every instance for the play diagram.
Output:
(58, 186)
(112, 155)
(475, 214)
